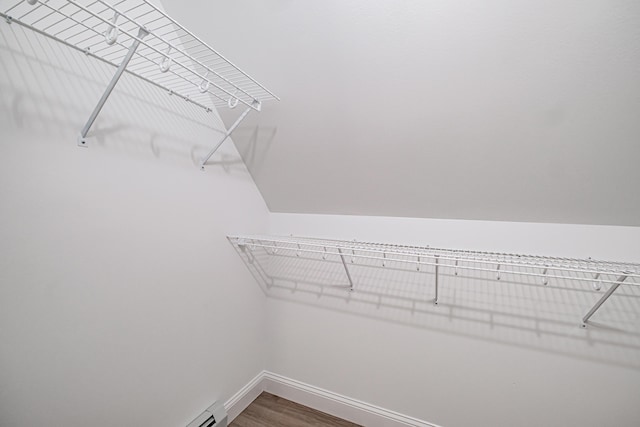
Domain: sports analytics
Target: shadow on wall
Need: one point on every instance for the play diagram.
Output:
(254, 140)
(51, 89)
(252, 143)
(515, 310)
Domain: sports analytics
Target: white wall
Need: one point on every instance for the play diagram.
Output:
(121, 301)
(490, 354)
(499, 110)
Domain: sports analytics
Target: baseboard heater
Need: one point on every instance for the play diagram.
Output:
(214, 416)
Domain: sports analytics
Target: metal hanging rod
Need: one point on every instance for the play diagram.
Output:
(598, 273)
(142, 40)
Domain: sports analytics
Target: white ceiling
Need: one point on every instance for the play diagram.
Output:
(497, 109)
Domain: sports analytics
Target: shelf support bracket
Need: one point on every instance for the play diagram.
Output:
(346, 270)
(601, 301)
(435, 300)
(142, 32)
(233, 127)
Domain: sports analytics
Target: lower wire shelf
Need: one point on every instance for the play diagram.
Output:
(439, 261)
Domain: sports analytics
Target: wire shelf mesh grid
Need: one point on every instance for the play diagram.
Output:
(595, 272)
(169, 56)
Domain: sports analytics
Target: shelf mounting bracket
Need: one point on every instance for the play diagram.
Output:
(601, 301)
(346, 270)
(435, 300)
(233, 127)
(82, 141)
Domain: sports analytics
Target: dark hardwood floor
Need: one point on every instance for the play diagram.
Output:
(270, 410)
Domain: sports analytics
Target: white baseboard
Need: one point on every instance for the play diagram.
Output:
(243, 398)
(344, 407)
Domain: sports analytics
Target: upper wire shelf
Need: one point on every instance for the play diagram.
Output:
(170, 56)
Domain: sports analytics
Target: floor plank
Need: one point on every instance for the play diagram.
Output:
(270, 410)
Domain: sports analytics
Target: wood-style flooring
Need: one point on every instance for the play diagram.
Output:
(269, 410)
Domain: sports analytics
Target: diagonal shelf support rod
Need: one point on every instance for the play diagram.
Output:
(205, 159)
(435, 300)
(601, 301)
(142, 32)
(346, 270)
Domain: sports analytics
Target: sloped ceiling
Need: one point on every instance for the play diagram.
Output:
(496, 109)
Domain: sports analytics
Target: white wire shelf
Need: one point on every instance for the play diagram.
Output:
(450, 261)
(169, 56)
